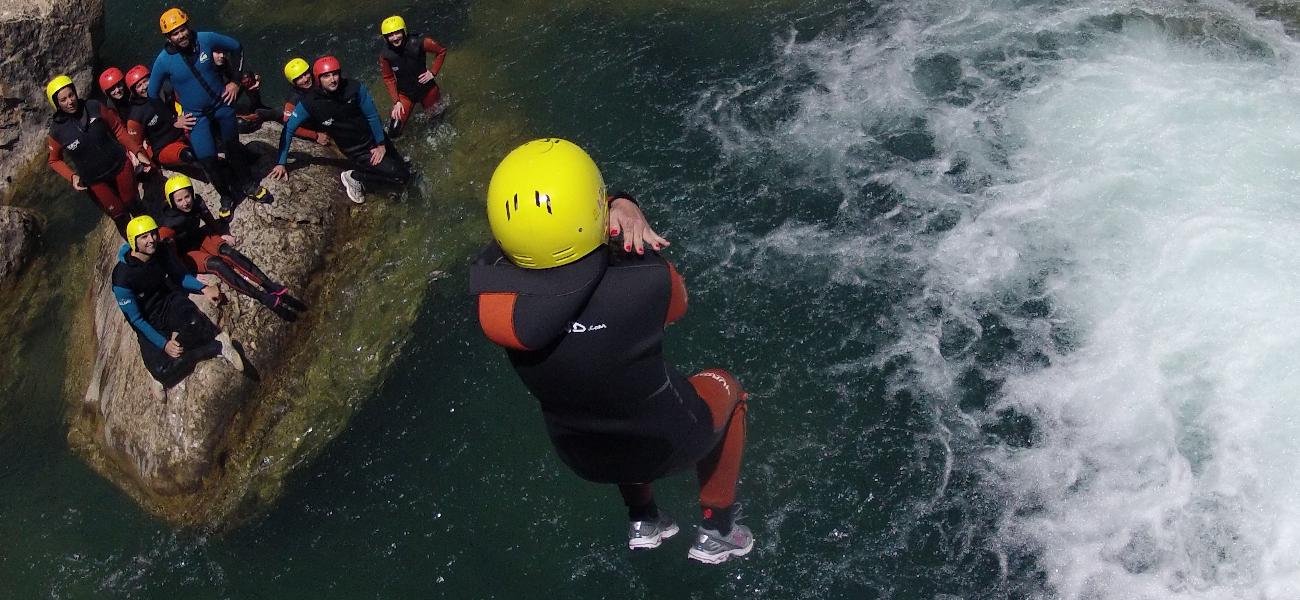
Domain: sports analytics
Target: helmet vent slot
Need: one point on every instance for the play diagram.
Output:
(507, 210)
(563, 253)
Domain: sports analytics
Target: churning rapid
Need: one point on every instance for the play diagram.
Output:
(1089, 214)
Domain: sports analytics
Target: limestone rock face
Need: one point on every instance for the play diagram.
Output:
(19, 229)
(38, 40)
(166, 448)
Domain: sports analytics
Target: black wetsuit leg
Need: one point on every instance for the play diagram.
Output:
(246, 265)
(639, 498)
(227, 273)
(393, 170)
(195, 334)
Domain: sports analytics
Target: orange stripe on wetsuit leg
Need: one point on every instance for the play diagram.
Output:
(719, 471)
(677, 301)
(496, 315)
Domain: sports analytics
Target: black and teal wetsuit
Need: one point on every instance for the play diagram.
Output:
(349, 116)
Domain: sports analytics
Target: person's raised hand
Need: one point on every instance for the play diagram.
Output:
(627, 220)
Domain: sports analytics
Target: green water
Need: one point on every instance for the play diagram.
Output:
(802, 158)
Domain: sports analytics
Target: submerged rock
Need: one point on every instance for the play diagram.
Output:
(170, 450)
(40, 39)
(19, 229)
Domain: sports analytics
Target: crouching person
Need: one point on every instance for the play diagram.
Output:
(152, 289)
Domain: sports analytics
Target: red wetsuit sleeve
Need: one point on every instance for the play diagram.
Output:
(431, 45)
(390, 80)
(301, 132)
(119, 130)
(166, 233)
(56, 161)
(136, 131)
(677, 299)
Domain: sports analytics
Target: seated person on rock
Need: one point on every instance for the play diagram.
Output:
(402, 64)
(583, 327)
(102, 155)
(152, 289)
(116, 97)
(345, 111)
(154, 123)
(298, 73)
(248, 103)
(204, 245)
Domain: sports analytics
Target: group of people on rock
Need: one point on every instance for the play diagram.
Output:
(185, 114)
(582, 323)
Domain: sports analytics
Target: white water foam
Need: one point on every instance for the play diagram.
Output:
(1142, 180)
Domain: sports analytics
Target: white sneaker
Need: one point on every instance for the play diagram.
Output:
(229, 352)
(643, 535)
(711, 547)
(356, 191)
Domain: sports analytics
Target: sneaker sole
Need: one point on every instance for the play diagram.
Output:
(654, 542)
(714, 559)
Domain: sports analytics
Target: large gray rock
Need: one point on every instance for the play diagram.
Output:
(19, 229)
(166, 449)
(38, 40)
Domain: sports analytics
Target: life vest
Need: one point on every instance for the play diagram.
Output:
(187, 228)
(149, 281)
(158, 120)
(407, 63)
(88, 142)
(339, 114)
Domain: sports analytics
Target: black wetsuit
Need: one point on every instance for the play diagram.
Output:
(349, 116)
(587, 340)
(158, 119)
(153, 295)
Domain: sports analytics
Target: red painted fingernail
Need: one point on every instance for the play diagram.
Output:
(640, 250)
(627, 247)
(656, 246)
(613, 232)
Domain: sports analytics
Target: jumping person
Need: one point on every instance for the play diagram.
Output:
(402, 63)
(102, 154)
(346, 111)
(583, 327)
(155, 124)
(153, 293)
(205, 245)
(186, 61)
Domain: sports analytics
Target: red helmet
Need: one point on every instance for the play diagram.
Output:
(325, 64)
(134, 76)
(109, 78)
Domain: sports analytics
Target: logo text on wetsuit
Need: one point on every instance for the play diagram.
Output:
(576, 327)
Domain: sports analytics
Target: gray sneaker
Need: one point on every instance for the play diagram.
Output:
(712, 547)
(356, 191)
(229, 352)
(644, 535)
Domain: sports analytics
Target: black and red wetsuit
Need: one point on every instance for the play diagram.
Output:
(402, 66)
(310, 129)
(586, 338)
(93, 140)
(154, 121)
(200, 247)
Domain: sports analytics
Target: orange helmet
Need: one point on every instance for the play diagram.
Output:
(171, 19)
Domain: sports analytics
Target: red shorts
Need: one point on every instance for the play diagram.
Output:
(170, 155)
(115, 196)
(430, 100)
(197, 259)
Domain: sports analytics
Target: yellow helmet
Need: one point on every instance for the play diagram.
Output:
(171, 19)
(295, 68)
(138, 227)
(175, 183)
(54, 86)
(391, 24)
(546, 204)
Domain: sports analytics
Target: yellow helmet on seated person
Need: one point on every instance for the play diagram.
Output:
(391, 24)
(138, 227)
(175, 183)
(295, 68)
(546, 204)
(52, 88)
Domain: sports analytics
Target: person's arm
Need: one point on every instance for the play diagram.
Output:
(217, 226)
(296, 118)
(119, 131)
(677, 298)
(136, 130)
(56, 162)
(157, 76)
(626, 219)
(131, 310)
(390, 79)
(234, 50)
(301, 132)
(367, 105)
(440, 54)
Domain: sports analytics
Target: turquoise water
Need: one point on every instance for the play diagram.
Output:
(1010, 282)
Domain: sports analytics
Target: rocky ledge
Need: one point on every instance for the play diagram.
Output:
(173, 452)
(19, 230)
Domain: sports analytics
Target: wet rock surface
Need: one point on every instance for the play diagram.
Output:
(168, 449)
(20, 230)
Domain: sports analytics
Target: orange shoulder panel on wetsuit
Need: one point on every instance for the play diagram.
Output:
(677, 301)
(496, 314)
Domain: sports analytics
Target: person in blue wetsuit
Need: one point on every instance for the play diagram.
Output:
(346, 112)
(187, 63)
